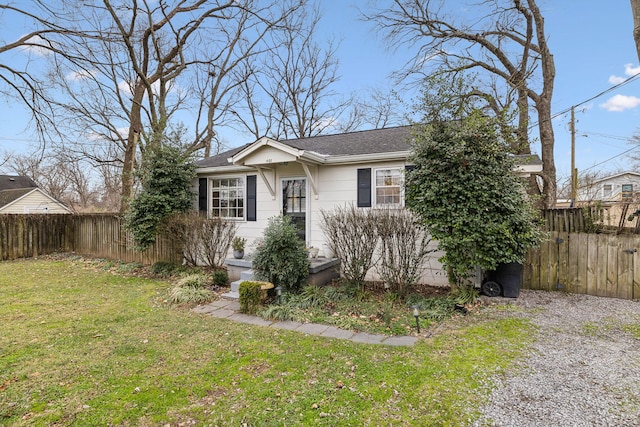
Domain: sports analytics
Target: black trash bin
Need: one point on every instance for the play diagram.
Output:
(509, 276)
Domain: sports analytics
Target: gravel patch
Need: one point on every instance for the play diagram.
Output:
(582, 370)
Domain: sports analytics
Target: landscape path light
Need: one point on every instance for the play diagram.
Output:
(416, 314)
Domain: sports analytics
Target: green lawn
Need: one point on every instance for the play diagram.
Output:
(84, 346)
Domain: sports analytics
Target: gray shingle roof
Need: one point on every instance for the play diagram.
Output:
(11, 182)
(219, 159)
(387, 140)
(8, 196)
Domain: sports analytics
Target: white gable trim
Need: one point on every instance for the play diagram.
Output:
(298, 155)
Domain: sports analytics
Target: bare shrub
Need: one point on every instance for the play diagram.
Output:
(351, 234)
(217, 235)
(203, 239)
(404, 247)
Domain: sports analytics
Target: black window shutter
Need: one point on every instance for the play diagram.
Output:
(364, 188)
(251, 198)
(202, 194)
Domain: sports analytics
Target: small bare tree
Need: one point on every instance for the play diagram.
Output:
(351, 234)
(404, 249)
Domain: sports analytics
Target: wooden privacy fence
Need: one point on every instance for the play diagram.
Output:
(605, 265)
(100, 235)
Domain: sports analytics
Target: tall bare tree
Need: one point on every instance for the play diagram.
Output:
(502, 40)
(22, 58)
(291, 89)
(139, 63)
(635, 11)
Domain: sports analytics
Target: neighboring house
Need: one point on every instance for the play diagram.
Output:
(617, 195)
(621, 187)
(20, 195)
(302, 177)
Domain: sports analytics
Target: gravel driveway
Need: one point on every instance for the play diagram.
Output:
(583, 369)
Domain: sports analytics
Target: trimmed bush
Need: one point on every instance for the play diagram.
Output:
(280, 257)
(250, 296)
(220, 278)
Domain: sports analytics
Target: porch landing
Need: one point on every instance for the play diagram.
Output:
(321, 271)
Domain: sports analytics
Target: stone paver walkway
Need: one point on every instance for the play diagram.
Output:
(227, 309)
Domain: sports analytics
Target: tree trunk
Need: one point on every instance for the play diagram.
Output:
(635, 10)
(135, 127)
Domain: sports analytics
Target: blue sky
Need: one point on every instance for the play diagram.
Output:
(593, 48)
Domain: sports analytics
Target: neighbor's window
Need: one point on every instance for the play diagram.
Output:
(227, 197)
(607, 189)
(627, 191)
(388, 186)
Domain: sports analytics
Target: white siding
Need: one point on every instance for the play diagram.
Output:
(35, 202)
(596, 191)
(337, 186)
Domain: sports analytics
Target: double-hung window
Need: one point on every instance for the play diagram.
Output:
(227, 197)
(388, 187)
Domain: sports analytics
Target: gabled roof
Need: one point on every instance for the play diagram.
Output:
(351, 147)
(10, 196)
(11, 182)
(366, 142)
(614, 176)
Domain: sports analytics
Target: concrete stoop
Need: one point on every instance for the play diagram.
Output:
(233, 293)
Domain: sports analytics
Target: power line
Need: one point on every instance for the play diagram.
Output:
(604, 92)
(611, 158)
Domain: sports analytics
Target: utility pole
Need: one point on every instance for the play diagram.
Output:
(574, 172)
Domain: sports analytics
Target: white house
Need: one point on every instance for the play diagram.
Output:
(620, 187)
(20, 195)
(301, 177)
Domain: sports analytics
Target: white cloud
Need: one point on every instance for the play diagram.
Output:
(616, 80)
(630, 70)
(36, 45)
(619, 103)
(80, 75)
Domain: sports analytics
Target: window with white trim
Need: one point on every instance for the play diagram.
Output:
(607, 190)
(227, 197)
(388, 187)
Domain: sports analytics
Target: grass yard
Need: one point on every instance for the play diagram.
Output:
(83, 346)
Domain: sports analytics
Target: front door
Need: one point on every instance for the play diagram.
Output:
(294, 203)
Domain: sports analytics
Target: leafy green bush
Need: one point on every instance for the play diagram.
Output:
(166, 175)
(250, 296)
(465, 191)
(280, 257)
(220, 278)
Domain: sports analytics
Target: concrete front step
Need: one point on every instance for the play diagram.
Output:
(235, 286)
